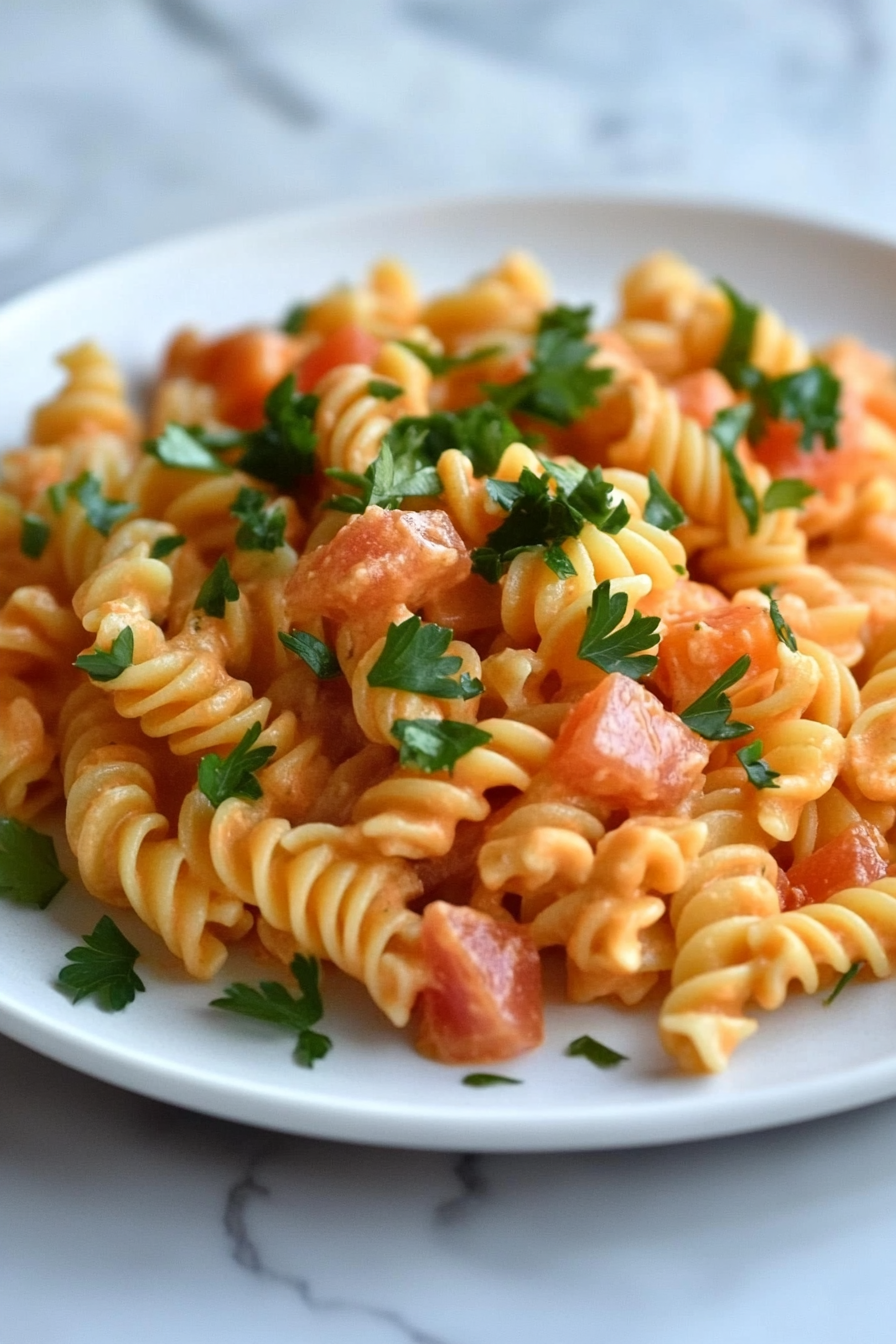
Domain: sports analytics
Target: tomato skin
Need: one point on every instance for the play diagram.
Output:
(702, 395)
(345, 345)
(242, 368)
(691, 659)
(483, 1003)
(620, 746)
(854, 858)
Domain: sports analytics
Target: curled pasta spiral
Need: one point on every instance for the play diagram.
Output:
(386, 304)
(92, 399)
(755, 955)
(377, 707)
(351, 421)
(508, 299)
(28, 782)
(415, 816)
(869, 742)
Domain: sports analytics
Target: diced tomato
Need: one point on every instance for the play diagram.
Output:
(382, 558)
(620, 746)
(693, 654)
(686, 600)
(483, 1002)
(345, 345)
(242, 368)
(854, 858)
(702, 395)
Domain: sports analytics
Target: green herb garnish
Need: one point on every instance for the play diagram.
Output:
(842, 983)
(165, 546)
(233, 776)
(104, 966)
(709, 714)
(439, 365)
(614, 647)
(313, 651)
(385, 483)
(34, 536)
(661, 510)
(378, 387)
(489, 1080)
(782, 629)
(600, 1055)
(103, 665)
(436, 744)
(295, 319)
(102, 513)
(282, 451)
(480, 432)
(272, 1002)
(788, 493)
(758, 773)
(29, 872)
(262, 525)
(735, 355)
(190, 448)
(412, 659)
(726, 429)
(810, 397)
(219, 588)
(560, 384)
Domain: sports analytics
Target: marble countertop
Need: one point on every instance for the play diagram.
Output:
(122, 1218)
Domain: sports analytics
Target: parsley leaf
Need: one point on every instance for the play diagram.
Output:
(102, 513)
(272, 1002)
(378, 387)
(412, 659)
(439, 365)
(735, 355)
(34, 536)
(106, 666)
(787, 493)
(189, 448)
(600, 1055)
(842, 983)
(592, 497)
(726, 429)
(164, 546)
(233, 776)
(811, 397)
(661, 510)
(436, 744)
(262, 528)
(758, 773)
(386, 482)
(708, 715)
(104, 967)
(782, 629)
(29, 872)
(219, 588)
(559, 562)
(560, 385)
(489, 1080)
(614, 647)
(295, 319)
(282, 451)
(313, 651)
(480, 432)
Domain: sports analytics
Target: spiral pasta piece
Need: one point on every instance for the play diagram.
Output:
(92, 399)
(351, 421)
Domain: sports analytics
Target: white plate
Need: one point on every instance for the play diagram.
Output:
(805, 1061)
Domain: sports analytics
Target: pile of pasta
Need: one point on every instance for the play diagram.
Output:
(501, 635)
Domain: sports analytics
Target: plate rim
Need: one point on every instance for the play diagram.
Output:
(690, 1118)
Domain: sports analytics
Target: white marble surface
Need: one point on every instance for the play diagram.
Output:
(120, 1218)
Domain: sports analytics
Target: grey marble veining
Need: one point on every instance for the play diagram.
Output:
(122, 121)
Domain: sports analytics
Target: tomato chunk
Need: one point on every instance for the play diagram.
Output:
(345, 345)
(619, 745)
(242, 368)
(854, 858)
(382, 558)
(702, 395)
(693, 654)
(686, 600)
(484, 1000)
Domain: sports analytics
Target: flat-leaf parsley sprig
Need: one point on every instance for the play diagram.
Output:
(614, 647)
(413, 659)
(29, 871)
(385, 483)
(262, 523)
(710, 714)
(108, 665)
(104, 966)
(272, 1002)
(233, 776)
(560, 384)
(436, 744)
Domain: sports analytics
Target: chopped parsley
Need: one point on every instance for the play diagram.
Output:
(379, 387)
(103, 665)
(104, 966)
(386, 482)
(842, 983)
(810, 397)
(758, 773)
(282, 451)
(480, 432)
(233, 776)
(436, 744)
(559, 562)
(709, 715)
(489, 1080)
(296, 317)
(413, 659)
(102, 513)
(782, 629)
(165, 546)
(735, 355)
(262, 526)
(787, 493)
(661, 510)
(34, 536)
(191, 448)
(272, 1002)
(29, 872)
(614, 647)
(726, 429)
(439, 365)
(560, 384)
(313, 651)
(219, 588)
(602, 1056)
